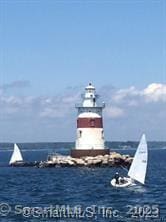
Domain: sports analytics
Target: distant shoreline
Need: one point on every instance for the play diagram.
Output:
(111, 145)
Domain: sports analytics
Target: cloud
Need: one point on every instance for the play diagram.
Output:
(52, 113)
(122, 94)
(114, 112)
(16, 84)
(127, 111)
(155, 92)
(57, 106)
(118, 101)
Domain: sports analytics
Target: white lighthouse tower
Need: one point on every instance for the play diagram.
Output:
(90, 133)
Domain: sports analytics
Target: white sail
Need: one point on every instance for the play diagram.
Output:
(16, 156)
(138, 167)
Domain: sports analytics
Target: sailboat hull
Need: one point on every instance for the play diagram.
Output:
(126, 182)
(17, 163)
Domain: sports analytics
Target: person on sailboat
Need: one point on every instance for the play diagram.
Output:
(122, 180)
(117, 177)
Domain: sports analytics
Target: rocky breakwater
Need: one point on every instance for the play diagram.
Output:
(113, 159)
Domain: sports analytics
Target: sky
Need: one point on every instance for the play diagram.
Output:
(50, 50)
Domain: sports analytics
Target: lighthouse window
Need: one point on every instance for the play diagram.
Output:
(80, 133)
(102, 134)
(94, 101)
(92, 123)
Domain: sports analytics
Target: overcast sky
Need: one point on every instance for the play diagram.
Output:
(50, 50)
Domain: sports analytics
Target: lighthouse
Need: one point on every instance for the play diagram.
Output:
(90, 132)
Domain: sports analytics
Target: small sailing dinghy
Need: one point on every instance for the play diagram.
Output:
(16, 158)
(138, 168)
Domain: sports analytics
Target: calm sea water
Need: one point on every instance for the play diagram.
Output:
(78, 194)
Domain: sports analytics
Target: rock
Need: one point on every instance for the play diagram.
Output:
(99, 157)
(110, 161)
(96, 161)
(105, 162)
(126, 156)
(114, 159)
(129, 160)
(106, 156)
(89, 158)
(78, 161)
(71, 163)
(116, 155)
(89, 162)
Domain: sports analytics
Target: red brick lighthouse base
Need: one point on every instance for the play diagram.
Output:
(90, 133)
(80, 153)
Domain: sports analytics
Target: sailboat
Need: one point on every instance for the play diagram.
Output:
(16, 157)
(138, 168)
